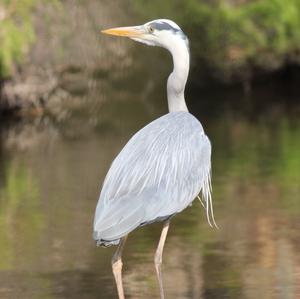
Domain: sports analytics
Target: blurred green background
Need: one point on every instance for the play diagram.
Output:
(227, 36)
(71, 98)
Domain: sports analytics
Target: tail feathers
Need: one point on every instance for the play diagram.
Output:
(105, 243)
(119, 217)
(114, 212)
(117, 220)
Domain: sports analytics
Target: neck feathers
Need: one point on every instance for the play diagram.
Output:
(177, 79)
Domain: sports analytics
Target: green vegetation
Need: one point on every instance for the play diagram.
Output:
(226, 35)
(16, 32)
(229, 36)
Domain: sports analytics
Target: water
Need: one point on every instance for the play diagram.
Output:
(50, 177)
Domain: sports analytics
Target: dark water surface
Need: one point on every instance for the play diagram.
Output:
(50, 178)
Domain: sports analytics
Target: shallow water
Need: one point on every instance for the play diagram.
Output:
(51, 174)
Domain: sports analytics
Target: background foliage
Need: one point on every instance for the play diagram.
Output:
(16, 32)
(227, 35)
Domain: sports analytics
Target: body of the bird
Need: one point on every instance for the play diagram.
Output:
(163, 167)
(157, 174)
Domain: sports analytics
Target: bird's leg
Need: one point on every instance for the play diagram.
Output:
(158, 256)
(117, 267)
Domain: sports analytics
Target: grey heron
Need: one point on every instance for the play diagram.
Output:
(163, 167)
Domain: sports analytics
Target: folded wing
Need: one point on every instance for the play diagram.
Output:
(157, 174)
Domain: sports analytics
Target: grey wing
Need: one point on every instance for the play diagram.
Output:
(158, 173)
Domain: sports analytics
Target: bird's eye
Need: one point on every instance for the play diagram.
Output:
(151, 29)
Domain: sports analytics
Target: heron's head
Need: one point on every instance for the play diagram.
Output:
(162, 32)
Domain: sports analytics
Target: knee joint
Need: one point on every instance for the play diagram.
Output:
(116, 264)
(157, 260)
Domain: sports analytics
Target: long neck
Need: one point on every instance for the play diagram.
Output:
(177, 79)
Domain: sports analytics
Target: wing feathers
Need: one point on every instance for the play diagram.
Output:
(158, 173)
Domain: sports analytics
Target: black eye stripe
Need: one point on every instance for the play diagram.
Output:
(163, 26)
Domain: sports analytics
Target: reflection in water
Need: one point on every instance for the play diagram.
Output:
(49, 189)
(51, 173)
(20, 217)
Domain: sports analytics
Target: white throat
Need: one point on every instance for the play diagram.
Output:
(177, 79)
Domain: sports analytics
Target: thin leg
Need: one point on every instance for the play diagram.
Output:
(158, 256)
(117, 267)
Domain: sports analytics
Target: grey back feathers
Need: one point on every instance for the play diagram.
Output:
(158, 173)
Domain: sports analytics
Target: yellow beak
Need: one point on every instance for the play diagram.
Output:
(124, 31)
